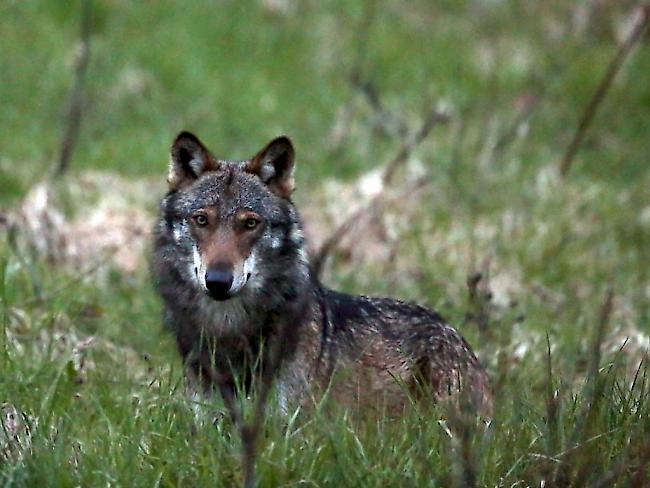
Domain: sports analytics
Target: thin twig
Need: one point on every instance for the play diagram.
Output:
(341, 128)
(268, 365)
(432, 119)
(603, 320)
(552, 404)
(386, 121)
(480, 299)
(642, 14)
(75, 109)
(372, 207)
(363, 35)
(592, 391)
(250, 432)
(529, 105)
(593, 383)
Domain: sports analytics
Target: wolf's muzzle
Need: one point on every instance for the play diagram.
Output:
(218, 281)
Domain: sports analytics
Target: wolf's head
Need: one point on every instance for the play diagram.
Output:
(232, 222)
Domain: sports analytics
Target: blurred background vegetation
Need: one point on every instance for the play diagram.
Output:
(494, 237)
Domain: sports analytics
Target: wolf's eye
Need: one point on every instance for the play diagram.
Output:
(201, 220)
(250, 223)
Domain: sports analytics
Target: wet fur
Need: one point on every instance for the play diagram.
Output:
(368, 352)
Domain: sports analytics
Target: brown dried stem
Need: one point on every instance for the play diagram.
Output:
(75, 109)
(249, 432)
(432, 119)
(641, 22)
(374, 206)
(386, 121)
(592, 396)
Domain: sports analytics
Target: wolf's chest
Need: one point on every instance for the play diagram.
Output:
(224, 318)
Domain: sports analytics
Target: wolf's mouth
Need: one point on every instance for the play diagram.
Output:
(218, 297)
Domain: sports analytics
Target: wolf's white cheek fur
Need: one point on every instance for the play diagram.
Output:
(250, 272)
(196, 267)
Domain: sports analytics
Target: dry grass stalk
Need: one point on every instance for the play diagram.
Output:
(641, 15)
(375, 205)
(75, 109)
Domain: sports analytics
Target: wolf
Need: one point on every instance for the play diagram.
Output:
(231, 264)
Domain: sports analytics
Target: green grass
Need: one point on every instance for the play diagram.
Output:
(114, 412)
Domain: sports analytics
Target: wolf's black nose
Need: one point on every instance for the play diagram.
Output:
(218, 280)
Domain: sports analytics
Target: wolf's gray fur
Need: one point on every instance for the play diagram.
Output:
(231, 265)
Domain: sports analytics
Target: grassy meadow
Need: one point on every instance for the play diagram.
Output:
(547, 277)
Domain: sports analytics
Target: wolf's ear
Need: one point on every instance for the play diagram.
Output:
(274, 166)
(189, 159)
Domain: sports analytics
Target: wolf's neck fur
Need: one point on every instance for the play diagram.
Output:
(287, 292)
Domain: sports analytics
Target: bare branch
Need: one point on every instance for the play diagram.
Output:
(386, 121)
(433, 118)
(250, 432)
(480, 299)
(267, 366)
(363, 35)
(341, 128)
(75, 109)
(374, 206)
(641, 22)
(603, 319)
